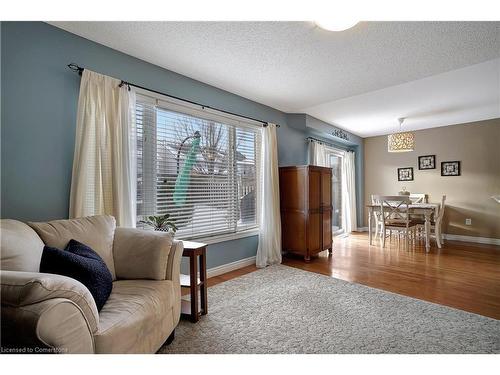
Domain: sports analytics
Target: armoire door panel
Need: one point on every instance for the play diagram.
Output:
(327, 229)
(293, 226)
(314, 189)
(326, 189)
(314, 233)
(293, 185)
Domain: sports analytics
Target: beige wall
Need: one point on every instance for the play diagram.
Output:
(476, 145)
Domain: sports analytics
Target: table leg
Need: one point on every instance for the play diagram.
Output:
(203, 278)
(193, 282)
(370, 213)
(427, 227)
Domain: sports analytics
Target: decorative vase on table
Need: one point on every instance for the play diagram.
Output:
(404, 192)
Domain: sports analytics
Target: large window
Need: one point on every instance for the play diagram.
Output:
(198, 166)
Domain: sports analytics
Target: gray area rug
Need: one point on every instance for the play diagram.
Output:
(281, 309)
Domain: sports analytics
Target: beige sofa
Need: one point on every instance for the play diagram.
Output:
(52, 313)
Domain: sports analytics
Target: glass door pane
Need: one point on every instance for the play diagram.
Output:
(336, 165)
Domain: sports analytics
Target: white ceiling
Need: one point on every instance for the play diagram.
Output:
(361, 79)
(459, 96)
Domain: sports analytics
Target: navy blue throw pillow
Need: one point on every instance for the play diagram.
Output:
(81, 263)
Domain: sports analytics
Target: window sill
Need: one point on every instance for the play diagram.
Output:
(224, 237)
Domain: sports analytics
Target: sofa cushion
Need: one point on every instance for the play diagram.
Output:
(137, 318)
(97, 232)
(21, 248)
(81, 263)
(141, 254)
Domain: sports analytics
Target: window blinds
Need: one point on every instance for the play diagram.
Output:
(209, 188)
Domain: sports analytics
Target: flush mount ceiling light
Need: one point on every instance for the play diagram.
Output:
(402, 141)
(333, 24)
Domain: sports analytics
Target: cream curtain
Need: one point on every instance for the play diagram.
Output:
(318, 154)
(349, 192)
(104, 165)
(269, 249)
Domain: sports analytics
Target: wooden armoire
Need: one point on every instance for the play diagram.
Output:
(306, 209)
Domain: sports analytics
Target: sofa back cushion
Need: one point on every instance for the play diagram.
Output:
(141, 254)
(81, 263)
(21, 248)
(97, 232)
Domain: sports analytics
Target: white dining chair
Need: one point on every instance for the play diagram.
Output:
(376, 215)
(395, 216)
(436, 224)
(418, 198)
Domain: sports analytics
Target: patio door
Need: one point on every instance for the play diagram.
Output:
(337, 163)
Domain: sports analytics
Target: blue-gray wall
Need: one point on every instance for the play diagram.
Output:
(39, 101)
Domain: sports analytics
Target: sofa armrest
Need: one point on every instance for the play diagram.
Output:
(56, 325)
(174, 262)
(174, 274)
(20, 289)
(141, 254)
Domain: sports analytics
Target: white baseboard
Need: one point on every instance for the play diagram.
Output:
(224, 268)
(485, 240)
(456, 237)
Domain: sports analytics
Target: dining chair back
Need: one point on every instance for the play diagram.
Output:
(394, 207)
(418, 198)
(395, 215)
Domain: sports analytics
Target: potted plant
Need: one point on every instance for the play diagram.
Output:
(161, 223)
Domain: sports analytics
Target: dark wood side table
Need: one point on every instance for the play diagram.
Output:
(191, 309)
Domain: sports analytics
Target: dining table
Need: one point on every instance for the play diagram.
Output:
(428, 210)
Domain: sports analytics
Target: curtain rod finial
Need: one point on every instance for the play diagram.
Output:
(75, 68)
(265, 124)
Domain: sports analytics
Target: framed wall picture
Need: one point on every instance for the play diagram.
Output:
(450, 168)
(427, 162)
(405, 174)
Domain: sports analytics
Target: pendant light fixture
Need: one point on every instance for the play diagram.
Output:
(335, 24)
(402, 141)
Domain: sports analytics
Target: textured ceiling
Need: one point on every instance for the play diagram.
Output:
(459, 96)
(295, 66)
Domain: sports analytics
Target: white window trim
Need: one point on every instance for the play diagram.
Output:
(225, 237)
(335, 151)
(196, 110)
(181, 106)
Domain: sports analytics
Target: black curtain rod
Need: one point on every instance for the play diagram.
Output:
(77, 69)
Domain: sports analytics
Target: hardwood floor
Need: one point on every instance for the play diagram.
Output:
(462, 275)
(231, 275)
